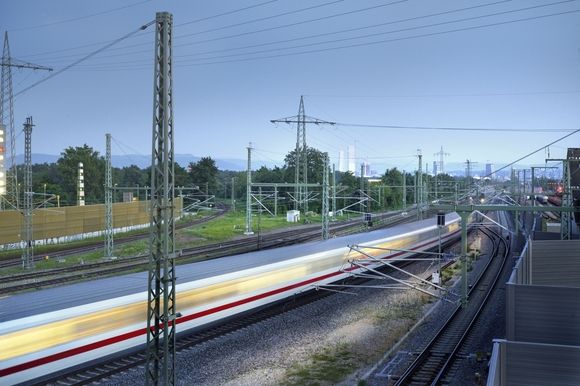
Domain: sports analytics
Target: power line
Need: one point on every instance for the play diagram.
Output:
(304, 37)
(484, 94)
(533, 152)
(267, 29)
(292, 24)
(185, 23)
(320, 50)
(226, 13)
(389, 32)
(143, 27)
(340, 31)
(100, 66)
(80, 17)
(323, 34)
(486, 129)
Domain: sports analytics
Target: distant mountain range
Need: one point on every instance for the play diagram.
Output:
(143, 161)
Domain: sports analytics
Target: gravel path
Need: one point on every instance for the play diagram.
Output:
(340, 339)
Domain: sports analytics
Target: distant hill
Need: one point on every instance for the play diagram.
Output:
(143, 161)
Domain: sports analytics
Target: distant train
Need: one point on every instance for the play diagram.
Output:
(43, 343)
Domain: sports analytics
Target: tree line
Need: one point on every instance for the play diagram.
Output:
(60, 178)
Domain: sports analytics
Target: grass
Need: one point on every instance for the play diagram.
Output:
(217, 230)
(328, 366)
(231, 225)
(333, 363)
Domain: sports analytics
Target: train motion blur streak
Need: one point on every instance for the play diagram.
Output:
(42, 344)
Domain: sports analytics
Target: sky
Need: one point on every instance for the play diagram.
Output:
(379, 69)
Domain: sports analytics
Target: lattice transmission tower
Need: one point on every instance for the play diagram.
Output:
(441, 163)
(7, 116)
(301, 153)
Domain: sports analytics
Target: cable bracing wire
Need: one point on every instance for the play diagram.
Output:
(143, 27)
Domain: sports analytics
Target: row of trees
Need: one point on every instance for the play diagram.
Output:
(60, 178)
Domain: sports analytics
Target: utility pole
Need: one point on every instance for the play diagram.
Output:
(301, 154)
(325, 199)
(404, 190)
(7, 113)
(28, 252)
(420, 187)
(333, 193)
(233, 194)
(108, 199)
(161, 309)
(362, 189)
(249, 193)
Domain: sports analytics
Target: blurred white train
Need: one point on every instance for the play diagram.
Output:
(50, 341)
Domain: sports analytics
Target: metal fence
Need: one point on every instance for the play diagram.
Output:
(542, 345)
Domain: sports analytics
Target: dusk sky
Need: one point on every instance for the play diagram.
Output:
(503, 65)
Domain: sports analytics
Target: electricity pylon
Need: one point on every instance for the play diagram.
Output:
(441, 164)
(7, 115)
(301, 153)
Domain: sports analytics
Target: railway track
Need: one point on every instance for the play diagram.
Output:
(37, 280)
(440, 358)
(64, 250)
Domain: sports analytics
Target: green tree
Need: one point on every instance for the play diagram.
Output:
(393, 194)
(94, 174)
(204, 172)
(130, 176)
(315, 165)
(46, 178)
(347, 179)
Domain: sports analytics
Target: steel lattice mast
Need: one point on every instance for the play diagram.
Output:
(161, 312)
(325, 198)
(419, 186)
(249, 230)
(301, 153)
(28, 252)
(7, 115)
(301, 158)
(108, 200)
